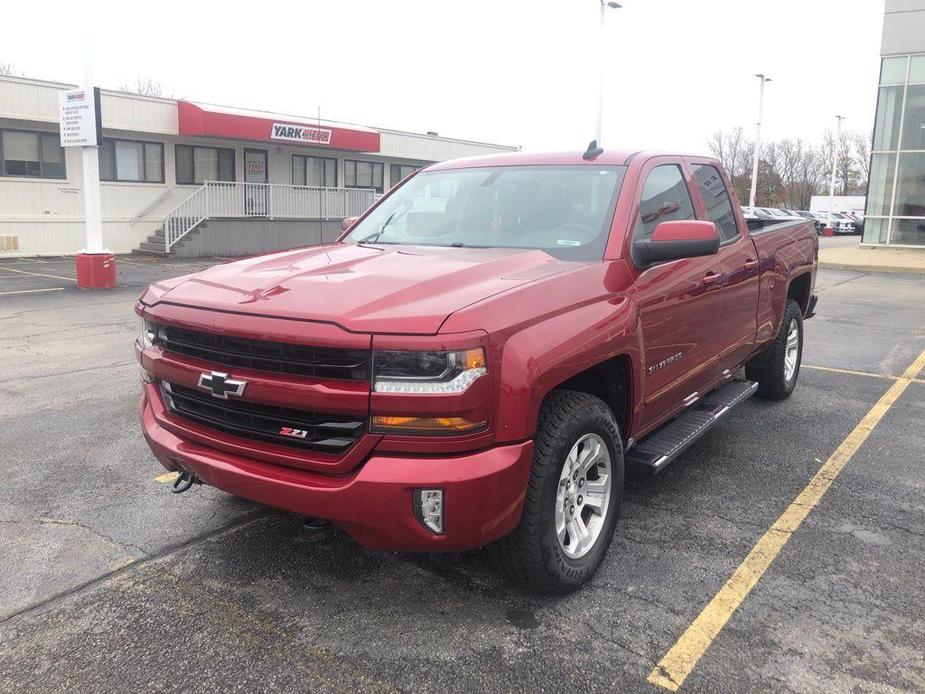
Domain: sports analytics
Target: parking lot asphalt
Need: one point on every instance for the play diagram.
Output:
(111, 583)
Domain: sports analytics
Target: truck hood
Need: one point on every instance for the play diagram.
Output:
(377, 289)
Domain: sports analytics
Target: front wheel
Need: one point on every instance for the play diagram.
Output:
(573, 496)
(777, 369)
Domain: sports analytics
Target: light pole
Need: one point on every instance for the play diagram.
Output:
(602, 65)
(835, 145)
(757, 154)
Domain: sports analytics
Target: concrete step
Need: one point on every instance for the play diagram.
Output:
(160, 253)
(149, 246)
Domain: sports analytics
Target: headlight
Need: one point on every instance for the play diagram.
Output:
(427, 372)
(146, 333)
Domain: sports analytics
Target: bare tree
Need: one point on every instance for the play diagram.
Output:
(861, 143)
(144, 86)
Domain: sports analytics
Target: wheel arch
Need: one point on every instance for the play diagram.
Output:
(610, 380)
(799, 290)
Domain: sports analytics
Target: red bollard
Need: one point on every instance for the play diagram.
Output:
(96, 270)
(828, 231)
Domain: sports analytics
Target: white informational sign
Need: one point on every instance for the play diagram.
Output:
(79, 116)
(306, 134)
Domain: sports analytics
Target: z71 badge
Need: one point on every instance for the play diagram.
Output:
(294, 433)
(659, 365)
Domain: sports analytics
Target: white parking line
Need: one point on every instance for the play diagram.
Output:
(33, 291)
(37, 274)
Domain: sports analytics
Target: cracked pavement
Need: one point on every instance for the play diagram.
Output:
(110, 583)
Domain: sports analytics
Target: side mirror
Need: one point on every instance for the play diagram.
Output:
(684, 238)
(347, 222)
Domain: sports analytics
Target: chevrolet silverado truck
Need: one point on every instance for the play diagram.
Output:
(480, 356)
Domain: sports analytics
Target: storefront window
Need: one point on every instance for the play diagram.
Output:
(398, 171)
(917, 70)
(363, 174)
(320, 172)
(875, 230)
(127, 160)
(908, 231)
(196, 165)
(910, 186)
(889, 113)
(896, 190)
(31, 154)
(893, 70)
(880, 189)
(914, 120)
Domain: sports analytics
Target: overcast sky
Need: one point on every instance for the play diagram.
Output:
(522, 73)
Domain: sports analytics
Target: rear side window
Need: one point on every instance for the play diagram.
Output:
(665, 198)
(716, 199)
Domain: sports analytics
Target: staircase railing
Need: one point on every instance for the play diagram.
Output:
(238, 200)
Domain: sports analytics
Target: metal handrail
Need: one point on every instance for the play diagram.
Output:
(240, 200)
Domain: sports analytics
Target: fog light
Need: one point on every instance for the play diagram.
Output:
(428, 507)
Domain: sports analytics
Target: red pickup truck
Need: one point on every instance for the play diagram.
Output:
(480, 355)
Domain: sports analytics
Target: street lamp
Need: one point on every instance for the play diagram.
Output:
(751, 196)
(602, 65)
(835, 144)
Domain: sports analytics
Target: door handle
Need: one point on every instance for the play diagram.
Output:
(712, 277)
(751, 264)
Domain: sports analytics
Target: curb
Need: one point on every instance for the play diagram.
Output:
(860, 267)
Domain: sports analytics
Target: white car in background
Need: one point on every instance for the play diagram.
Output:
(840, 223)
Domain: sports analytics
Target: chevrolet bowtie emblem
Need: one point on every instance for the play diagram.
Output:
(220, 386)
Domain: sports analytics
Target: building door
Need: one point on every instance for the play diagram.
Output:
(256, 192)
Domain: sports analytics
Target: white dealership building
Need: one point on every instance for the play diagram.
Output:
(193, 178)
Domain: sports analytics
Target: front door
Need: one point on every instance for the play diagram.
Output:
(680, 302)
(256, 193)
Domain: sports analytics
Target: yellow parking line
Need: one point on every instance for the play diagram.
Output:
(166, 477)
(858, 373)
(38, 274)
(848, 371)
(678, 663)
(33, 291)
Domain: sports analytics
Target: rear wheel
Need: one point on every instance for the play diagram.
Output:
(573, 496)
(777, 369)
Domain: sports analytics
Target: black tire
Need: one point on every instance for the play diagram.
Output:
(769, 368)
(532, 554)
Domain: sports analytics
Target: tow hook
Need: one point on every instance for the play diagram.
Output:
(184, 481)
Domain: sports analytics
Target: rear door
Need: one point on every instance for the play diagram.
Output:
(738, 261)
(680, 300)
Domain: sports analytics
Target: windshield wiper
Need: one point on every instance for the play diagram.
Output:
(372, 238)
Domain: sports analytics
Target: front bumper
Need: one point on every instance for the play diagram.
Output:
(483, 491)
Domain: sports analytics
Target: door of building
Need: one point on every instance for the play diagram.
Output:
(256, 192)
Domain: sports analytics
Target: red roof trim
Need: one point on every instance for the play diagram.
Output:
(199, 121)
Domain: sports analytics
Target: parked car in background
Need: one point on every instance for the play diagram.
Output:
(481, 373)
(817, 221)
(839, 223)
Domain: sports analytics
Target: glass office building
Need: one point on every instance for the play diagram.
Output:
(895, 213)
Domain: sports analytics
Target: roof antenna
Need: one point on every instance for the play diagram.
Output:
(593, 151)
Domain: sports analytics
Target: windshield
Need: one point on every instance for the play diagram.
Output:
(563, 210)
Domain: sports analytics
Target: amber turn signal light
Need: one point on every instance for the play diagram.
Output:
(387, 424)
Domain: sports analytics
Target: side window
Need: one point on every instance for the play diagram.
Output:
(664, 198)
(716, 198)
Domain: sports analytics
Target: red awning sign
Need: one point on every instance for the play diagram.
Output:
(207, 120)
